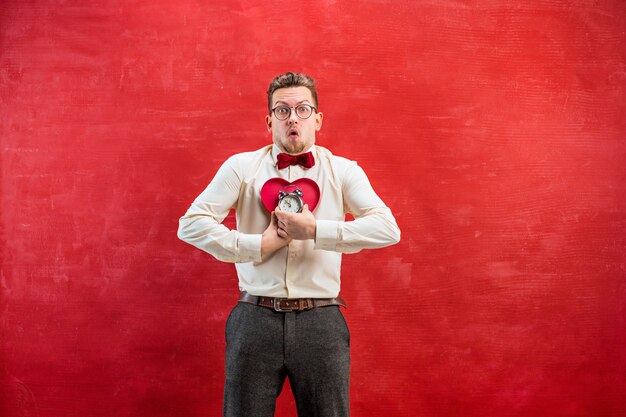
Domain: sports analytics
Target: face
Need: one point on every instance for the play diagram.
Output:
(294, 135)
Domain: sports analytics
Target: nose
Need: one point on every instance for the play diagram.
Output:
(292, 117)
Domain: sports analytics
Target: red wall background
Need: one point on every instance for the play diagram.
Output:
(495, 130)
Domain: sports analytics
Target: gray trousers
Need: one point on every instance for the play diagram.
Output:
(263, 347)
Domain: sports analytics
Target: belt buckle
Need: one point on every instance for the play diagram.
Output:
(277, 306)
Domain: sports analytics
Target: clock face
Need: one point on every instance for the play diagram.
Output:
(290, 203)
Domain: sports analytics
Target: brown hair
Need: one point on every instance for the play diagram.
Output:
(291, 79)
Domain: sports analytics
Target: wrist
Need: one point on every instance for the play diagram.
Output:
(271, 242)
(313, 231)
(266, 244)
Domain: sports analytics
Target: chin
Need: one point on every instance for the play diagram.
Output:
(293, 148)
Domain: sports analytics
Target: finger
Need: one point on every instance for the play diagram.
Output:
(282, 233)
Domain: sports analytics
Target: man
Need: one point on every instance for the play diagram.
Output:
(287, 322)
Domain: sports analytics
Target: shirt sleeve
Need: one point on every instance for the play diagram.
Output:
(201, 225)
(373, 227)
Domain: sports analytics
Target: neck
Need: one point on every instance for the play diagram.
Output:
(280, 148)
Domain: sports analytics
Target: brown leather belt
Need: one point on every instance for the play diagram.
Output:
(290, 304)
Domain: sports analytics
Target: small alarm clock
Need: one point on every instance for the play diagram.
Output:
(290, 201)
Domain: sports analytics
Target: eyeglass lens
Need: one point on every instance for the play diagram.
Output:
(302, 111)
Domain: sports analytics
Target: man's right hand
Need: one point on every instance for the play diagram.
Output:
(270, 240)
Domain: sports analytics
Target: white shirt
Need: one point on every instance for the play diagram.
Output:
(304, 268)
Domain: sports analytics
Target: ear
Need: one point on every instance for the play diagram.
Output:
(268, 123)
(318, 120)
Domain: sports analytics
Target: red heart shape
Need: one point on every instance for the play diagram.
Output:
(271, 188)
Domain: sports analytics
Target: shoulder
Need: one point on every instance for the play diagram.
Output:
(342, 171)
(338, 163)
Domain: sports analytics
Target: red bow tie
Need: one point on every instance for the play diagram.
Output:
(306, 160)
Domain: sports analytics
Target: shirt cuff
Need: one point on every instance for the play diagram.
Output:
(249, 248)
(326, 234)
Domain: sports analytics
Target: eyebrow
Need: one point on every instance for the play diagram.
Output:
(300, 102)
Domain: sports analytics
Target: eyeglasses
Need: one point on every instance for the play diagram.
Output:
(303, 111)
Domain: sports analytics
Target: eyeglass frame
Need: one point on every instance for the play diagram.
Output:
(313, 109)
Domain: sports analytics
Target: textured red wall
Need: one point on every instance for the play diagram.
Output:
(495, 130)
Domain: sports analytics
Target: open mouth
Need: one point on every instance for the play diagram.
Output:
(293, 134)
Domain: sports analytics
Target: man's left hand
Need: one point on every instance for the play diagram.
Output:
(299, 226)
